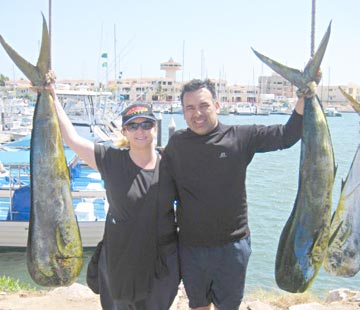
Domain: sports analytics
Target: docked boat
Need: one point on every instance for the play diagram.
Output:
(89, 198)
(332, 112)
(263, 110)
(245, 108)
(224, 108)
(173, 108)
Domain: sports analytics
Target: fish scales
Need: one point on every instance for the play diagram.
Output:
(51, 198)
(304, 239)
(343, 254)
(54, 249)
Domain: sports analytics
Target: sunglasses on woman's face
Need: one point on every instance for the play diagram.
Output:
(146, 125)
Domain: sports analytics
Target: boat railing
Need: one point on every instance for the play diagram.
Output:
(16, 176)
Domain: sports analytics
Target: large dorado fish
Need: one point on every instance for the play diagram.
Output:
(54, 249)
(304, 239)
(343, 255)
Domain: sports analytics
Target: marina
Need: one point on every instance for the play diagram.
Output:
(89, 199)
(271, 187)
(86, 110)
(273, 181)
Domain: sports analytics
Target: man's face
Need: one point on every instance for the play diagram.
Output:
(200, 111)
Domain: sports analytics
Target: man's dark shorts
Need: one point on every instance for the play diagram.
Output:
(215, 274)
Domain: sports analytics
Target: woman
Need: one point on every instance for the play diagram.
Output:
(140, 238)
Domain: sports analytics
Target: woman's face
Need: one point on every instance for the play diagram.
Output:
(140, 132)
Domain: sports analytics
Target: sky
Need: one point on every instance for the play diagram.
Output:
(209, 38)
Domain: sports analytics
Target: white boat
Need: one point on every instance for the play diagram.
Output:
(89, 197)
(224, 108)
(245, 108)
(332, 112)
(173, 108)
(263, 110)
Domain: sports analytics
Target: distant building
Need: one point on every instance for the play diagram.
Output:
(170, 67)
(147, 89)
(332, 96)
(76, 84)
(18, 88)
(270, 89)
(277, 85)
(242, 93)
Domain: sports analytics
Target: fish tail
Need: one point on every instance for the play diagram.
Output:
(296, 77)
(36, 74)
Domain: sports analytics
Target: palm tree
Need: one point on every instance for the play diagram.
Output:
(3, 78)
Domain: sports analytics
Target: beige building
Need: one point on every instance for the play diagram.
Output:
(146, 89)
(77, 84)
(166, 89)
(18, 88)
(276, 85)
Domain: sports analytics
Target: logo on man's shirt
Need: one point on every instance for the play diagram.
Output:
(222, 155)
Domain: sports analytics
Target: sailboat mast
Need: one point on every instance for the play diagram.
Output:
(313, 13)
(115, 56)
(50, 27)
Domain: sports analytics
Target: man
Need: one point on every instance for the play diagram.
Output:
(207, 164)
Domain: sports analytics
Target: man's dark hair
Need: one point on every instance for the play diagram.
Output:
(197, 84)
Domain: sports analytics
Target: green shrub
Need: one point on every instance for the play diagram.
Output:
(8, 284)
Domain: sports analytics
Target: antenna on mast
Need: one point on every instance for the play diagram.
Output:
(313, 13)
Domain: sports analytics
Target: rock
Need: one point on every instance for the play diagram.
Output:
(255, 305)
(343, 295)
(310, 306)
(73, 292)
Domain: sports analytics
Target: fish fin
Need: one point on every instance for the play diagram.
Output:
(316, 254)
(333, 236)
(342, 184)
(27, 68)
(36, 74)
(355, 104)
(44, 60)
(294, 76)
(320, 103)
(299, 78)
(312, 68)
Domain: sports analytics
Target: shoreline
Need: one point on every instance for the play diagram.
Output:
(80, 297)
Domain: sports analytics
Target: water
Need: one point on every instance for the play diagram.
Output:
(272, 182)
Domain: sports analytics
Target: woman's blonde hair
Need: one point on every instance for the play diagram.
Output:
(122, 141)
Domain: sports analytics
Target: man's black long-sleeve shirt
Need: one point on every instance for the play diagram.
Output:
(208, 174)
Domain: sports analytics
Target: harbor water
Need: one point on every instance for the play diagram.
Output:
(272, 183)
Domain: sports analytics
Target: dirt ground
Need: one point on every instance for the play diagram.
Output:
(80, 297)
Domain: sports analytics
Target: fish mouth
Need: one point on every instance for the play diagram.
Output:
(60, 272)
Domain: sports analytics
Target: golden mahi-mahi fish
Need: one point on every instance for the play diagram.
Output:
(304, 239)
(343, 255)
(54, 249)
